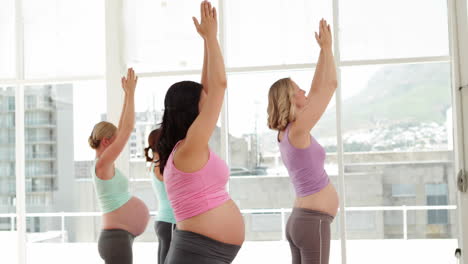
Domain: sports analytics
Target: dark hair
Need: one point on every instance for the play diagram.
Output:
(153, 139)
(180, 110)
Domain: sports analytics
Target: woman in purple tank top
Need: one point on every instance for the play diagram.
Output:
(294, 115)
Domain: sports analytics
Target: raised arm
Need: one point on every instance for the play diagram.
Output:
(110, 154)
(124, 107)
(200, 131)
(323, 85)
(205, 52)
(204, 70)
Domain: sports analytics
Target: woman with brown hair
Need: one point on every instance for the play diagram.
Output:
(210, 227)
(165, 220)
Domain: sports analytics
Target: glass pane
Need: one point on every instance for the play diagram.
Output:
(63, 38)
(383, 29)
(397, 136)
(282, 35)
(7, 45)
(8, 235)
(259, 181)
(162, 35)
(58, 122)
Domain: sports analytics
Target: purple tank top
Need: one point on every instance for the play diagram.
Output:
(305, 166)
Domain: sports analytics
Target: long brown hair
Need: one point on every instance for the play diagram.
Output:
(153, 139)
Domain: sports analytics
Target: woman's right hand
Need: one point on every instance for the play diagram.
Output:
(129, 83)
(208, 28)
(324, 37)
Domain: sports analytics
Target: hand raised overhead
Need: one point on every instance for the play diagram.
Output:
(324, 37)
(129, 83)
(208, 28)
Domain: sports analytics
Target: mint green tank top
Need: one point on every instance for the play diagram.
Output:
(113, 193)
(165, 212)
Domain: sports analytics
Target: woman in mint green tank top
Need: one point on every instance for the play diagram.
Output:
(165, 220)
(124, 216)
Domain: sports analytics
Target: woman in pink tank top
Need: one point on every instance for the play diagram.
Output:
(293, 115)
(210, 227)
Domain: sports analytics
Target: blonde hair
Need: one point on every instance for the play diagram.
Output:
(280, 109)
(101, 130)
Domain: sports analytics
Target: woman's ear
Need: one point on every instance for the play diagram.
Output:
(105, 142)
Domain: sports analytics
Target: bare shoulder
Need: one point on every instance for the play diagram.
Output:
(104, 172)
(298, 137)
(188, 158)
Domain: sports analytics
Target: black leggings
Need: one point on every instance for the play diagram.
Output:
(190, 248)
(164, 233)
(115, 246)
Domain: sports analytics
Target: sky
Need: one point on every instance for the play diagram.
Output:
(160, 37)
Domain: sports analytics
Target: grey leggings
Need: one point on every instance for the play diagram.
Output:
(190, 248)
(308, 234)
(115, 246)
(164, 233)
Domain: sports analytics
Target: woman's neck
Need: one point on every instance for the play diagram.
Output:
(99, 152)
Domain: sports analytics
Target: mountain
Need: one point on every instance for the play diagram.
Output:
(416, 93)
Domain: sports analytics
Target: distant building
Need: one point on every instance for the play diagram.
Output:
(145, 122)
(49, 162)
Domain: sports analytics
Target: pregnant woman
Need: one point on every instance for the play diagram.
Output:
(165, 220)
(124, 216)
(294, 115)
(210, 227)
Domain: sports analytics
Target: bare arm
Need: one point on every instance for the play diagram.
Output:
(319, 75)
(325, 73)
(105, 163)
(323, 85)
(200, 131)
(123, 110)
(204, 76)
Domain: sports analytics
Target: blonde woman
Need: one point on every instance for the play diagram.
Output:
(294, 115)
(124, 216)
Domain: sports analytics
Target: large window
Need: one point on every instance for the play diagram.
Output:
(162, 37)
(369, 29)
(7, 45)
(58, 40)
(58, 159)
(387, 132)
(283, 35)
(63, 38)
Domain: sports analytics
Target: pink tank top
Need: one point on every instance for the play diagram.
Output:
(305, 166)
(194, 193)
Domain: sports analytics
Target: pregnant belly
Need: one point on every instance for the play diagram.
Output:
(223, 223)
(325, 201)
(133, 217)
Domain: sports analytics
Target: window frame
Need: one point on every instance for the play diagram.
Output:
(115, 65)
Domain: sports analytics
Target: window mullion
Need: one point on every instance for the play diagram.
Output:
(115, 67)
(458, 26)
(20, 200)
(339, 142)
